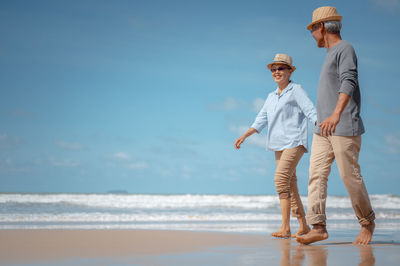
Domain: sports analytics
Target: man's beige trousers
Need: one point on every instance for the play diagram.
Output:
(345, 150)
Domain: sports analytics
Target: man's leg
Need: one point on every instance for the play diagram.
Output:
(346, 150)
(321, 160)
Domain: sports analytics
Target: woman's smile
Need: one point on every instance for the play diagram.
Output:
(281, 74)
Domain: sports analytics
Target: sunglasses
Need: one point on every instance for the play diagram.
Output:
(314, 27)
(273, 70)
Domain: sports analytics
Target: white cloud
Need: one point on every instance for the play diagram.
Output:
(257, 104)
(121, 156)
(73, 146)
(384, 107)
(6, 163)
(137, 165)
(187, 171)
(393, 143)
(388, 4)
(258, 140)
(63, 162)
(125, 160)
(8, 142)
(229, 104)
(260, 170)
(21, 113)
(14, 165)
(232, 104)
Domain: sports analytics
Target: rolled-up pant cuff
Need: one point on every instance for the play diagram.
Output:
(367, 220)
(284, 195)
(316, 219)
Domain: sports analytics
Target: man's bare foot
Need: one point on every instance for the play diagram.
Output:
(318, 233)
(302, 231)
(365, 235)
(281, 234)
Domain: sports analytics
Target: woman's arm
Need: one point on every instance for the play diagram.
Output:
(259, 124)
(306, 105)
(240, 140)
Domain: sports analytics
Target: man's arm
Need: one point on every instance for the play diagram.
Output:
(328, 126)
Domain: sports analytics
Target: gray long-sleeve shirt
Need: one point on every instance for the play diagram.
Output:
(339, 74)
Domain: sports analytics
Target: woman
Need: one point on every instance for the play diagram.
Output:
(285, 111)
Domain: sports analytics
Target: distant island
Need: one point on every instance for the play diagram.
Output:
(117, 191)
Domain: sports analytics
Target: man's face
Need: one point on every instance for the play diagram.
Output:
(316, 32)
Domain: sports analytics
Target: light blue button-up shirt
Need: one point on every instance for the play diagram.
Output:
(286, 116)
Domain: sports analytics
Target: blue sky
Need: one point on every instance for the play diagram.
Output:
(149, 96)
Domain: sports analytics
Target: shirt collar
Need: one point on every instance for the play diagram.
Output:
(285, 90)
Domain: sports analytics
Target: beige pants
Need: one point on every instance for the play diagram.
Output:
(286, 180)
(345, 150)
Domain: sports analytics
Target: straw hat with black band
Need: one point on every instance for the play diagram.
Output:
(324, 13)
(282, 59)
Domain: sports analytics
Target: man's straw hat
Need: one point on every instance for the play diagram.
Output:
(282, 59)
(324, 13)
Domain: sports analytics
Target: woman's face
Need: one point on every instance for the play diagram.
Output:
(281, 73)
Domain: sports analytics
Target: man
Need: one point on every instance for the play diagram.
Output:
(338, 135)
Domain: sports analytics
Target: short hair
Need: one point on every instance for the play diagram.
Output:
(333, 26)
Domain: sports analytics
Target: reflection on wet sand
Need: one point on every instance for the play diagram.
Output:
(366, 255)
(294, 254)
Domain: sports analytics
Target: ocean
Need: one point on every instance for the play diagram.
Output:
(221, 213)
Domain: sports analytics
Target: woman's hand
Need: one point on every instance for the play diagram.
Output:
(238, 142)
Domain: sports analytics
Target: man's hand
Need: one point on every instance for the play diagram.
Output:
(328, 126)
(238, 142)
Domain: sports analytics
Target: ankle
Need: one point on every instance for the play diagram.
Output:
(285, 228)
(371, 223)
(319, 227)
(304, 228)
(368, 226)
(302, 222)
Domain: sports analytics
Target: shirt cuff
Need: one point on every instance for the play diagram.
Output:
(314, 118)
(258, 127)
(347, 88)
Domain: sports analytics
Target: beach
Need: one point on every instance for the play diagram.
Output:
(140, 229)
(169, 247)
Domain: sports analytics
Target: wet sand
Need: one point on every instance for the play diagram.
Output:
(142, 247)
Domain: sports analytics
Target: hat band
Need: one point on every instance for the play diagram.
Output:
(280, 61)
(329, 18)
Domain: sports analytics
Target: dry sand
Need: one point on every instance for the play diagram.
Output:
(39, 245)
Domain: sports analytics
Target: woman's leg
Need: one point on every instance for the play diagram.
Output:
(284, 231)
(297, 207)
(286, 161)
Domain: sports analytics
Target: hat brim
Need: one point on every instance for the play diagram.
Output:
(281, 62)
(324, 19)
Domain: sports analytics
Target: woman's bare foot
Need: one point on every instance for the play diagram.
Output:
(365, 235)
(302, 231)
(281, 233)
(318, 233)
